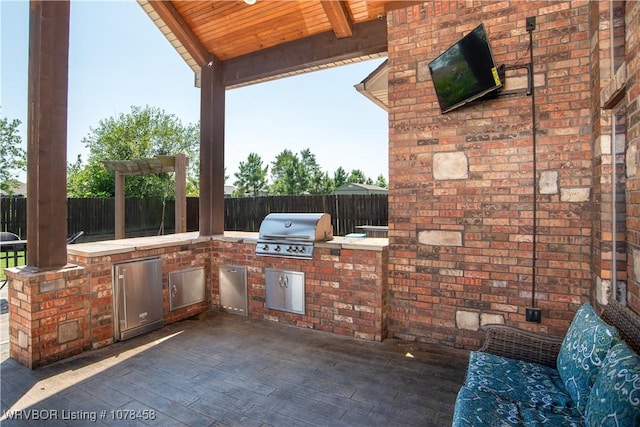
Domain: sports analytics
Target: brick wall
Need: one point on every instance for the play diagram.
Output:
(345, 288)
(632, 93)
(99, 275)
(461, 245)
(61, 313)
(57, 314)
(602, 229)
(49, 315)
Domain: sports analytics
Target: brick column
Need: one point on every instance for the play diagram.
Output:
(48, 315)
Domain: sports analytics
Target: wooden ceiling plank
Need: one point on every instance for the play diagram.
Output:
(181, 30)
(260, 12)
(368, 38)
(365, 10)
(269, 37)
(261, 27)
(270, 17)
(274, 32)
(225, 9)
(338, 16)
(285, 28)
(194, 12)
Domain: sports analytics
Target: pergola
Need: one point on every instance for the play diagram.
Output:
(227, 44)
(147, 166)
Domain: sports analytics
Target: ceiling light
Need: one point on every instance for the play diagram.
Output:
(250, 2)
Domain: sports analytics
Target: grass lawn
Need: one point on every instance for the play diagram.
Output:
(11, 259)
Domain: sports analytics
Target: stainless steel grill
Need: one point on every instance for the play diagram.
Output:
(292, 235)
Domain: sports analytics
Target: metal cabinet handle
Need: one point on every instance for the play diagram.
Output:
(174, 291)
(124, 299)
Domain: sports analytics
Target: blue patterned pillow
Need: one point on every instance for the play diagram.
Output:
(582, 352)
(615, 398)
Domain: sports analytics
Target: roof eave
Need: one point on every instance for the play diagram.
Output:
(376, 86)
(171, 37)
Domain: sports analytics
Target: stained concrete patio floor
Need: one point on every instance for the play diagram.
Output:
(221, 369)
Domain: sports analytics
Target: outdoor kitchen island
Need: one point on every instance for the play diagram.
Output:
(72, 310)
(58, 314)
(345, 283)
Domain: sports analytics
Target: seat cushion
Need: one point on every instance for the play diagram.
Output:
(582, 353)
(615, 396)
(475, 408)
(536, 385)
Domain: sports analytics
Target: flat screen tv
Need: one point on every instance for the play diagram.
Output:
(464, 72)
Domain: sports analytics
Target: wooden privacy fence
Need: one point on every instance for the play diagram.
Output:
(13, 215)
(347, 211)
(145, 217)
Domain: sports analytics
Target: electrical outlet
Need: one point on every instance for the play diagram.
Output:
(621, 292)
(534, 315)
(531, 23)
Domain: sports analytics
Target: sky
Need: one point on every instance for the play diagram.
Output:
(119, 59)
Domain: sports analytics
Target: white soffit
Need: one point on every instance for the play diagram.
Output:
(376, 86)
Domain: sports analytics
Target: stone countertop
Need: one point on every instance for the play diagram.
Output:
(358, 243)
(112, 247)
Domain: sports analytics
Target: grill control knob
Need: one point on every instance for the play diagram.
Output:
(265, 248)
(290, 249)
(277, 248)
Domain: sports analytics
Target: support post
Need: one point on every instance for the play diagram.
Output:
(119, 202)
(212, 110)
(47, 134)
(181, 193)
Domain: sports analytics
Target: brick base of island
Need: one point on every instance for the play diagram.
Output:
(57, 314)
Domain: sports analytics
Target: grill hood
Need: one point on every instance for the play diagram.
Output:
(308, 227)
(292, 235)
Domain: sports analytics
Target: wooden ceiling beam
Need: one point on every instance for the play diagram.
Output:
(338, 14)
(181, 30)
(369, 38)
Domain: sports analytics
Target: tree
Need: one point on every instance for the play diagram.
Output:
(340, 177)
(143, 132)
(318, 182)
(381, 181)
(287, 175)
(357, 177)
(12, 156)
(91, 180)
(293, 175)
(251, 177)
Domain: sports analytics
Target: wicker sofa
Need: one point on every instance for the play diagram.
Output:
(589, 378)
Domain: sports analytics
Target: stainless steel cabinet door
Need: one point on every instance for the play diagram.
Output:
(285, 290)
(233, 289)
(138, 297)
(274, 286)
(294, 292)
(186, 287)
